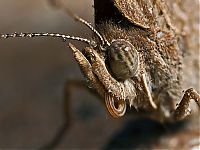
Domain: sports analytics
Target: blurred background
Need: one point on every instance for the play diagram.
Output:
(33, 73)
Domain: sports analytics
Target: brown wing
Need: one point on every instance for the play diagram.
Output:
(139, 12)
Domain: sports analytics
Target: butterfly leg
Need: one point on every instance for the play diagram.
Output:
(68, 90)
(183, 107)
(70, 86)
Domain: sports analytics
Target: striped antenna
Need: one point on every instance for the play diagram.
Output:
(55, 35)
(77, 18)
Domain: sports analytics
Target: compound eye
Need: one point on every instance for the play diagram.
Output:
(123, 59)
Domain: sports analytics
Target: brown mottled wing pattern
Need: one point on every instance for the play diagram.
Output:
(139, 12)
(146, 13)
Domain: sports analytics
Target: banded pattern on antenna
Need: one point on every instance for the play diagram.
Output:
(55, 35)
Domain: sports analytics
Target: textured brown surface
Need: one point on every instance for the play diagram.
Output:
(33, 73)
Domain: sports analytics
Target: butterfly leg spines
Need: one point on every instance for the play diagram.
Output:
(183, 107)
